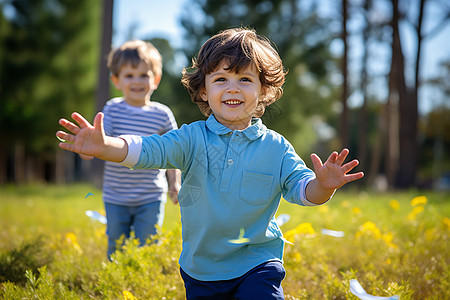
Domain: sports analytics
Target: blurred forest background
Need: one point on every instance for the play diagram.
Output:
(52, 62)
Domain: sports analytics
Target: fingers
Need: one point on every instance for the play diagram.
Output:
(82, 122)
(317, 162)
(342, 156)
(66, 146)
(350, 165)
(69, 126)
(332, 158)
(354, 176)
(338, 158)
(98, 121)
(64, 137)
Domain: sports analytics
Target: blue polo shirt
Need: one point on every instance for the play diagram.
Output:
(232, 183)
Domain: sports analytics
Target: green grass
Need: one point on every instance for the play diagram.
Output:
(392, 247)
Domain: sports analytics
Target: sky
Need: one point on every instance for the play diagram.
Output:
(159, 18)
(150, 17)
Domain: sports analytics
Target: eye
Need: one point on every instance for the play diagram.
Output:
(219, 79)
(128, 76)
(246, 79)
(145, 75)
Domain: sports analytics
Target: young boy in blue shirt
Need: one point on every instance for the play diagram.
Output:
(234, 169)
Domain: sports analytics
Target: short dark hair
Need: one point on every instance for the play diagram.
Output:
(239, 48)
(133, 52)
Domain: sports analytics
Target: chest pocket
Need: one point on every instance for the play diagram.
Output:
(256, 188)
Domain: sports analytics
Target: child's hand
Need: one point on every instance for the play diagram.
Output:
(87, 140)
(332, 174)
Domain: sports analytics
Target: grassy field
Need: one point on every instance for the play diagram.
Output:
(393, 244)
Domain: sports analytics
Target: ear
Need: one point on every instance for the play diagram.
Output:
(115, 81)
(203, 94)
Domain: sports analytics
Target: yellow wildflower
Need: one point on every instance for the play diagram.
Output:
(416, 210)
(303, 228)
(324, 208)
(128, 296)
(418, 200)
(356, 210)
(394, 204)
(297, 257)
(71, 238)
(387, 238)
(370, 228)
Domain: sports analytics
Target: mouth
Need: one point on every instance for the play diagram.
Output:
(232, 102)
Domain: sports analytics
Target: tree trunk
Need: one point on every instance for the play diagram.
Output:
(363, 116)
(103, 80)
(397, 94)
(343, 131)
(409, 121)
(19, 162)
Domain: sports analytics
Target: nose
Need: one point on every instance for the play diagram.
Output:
(232, 87)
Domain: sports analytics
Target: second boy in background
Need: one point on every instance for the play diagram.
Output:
(135, 199)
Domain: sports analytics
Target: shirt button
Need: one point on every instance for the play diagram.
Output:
(230, 162)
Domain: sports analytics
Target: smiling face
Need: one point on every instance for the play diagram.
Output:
(233, 97)
(137, 84)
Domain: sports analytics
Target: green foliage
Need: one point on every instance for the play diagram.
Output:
(42, 287)
(394, 244)
(149, 272)
(28, 257)
(48, 62)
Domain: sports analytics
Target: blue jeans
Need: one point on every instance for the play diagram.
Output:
(261, 282)
(121, 220)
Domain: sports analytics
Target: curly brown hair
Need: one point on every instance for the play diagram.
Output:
(239, 48)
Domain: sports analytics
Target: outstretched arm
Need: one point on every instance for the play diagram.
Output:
(89, 140)
(330, 176)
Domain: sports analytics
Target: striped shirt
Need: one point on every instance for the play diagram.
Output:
(121, 185)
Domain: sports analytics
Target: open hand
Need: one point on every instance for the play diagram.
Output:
(87, 140)
(332, 174)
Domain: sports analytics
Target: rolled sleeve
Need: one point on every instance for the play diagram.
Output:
(303, 199)
(134, 143)
(303, 183)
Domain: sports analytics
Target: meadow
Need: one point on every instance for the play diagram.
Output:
(392, 243)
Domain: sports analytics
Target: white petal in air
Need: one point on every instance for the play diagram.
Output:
(358, 291)
(283, 219)
(333, 232)
(96, 216)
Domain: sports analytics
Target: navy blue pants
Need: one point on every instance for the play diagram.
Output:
(261, 282)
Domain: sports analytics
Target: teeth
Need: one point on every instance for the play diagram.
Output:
(232, 102)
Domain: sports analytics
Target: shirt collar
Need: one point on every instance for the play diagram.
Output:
(253, 132)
